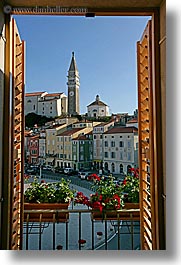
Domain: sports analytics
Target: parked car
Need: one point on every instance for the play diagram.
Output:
(84, 175)
(48, 167)
(58, 170)
(72, 173)
(33, 170)
(67, 170)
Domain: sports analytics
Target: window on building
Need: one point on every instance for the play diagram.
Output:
(129, 156)
(74, 148)
(94, 136)
(129, 144)
(112, 144)
(121, 155)
(34, 107)
(106, 143)
(106, 154)
(81, 157)
(113, 167)
(121, 168)
(121, 144)
(81, 148)
(113, 155)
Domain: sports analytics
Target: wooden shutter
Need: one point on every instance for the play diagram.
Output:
(145, 119)
(18, 137)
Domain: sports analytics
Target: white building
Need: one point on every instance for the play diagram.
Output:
(31, 101)
(120, 149)
(97, 108)
(98, 131)
(42, 103)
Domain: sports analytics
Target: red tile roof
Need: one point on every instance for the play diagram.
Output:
(70, 132)
(34, 94)
(53, 95)
(122, 130)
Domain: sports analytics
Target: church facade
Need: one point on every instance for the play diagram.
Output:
(97, 108)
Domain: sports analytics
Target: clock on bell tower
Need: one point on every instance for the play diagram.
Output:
(73, 88)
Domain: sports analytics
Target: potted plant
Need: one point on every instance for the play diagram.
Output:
(107, 199)
(130, 186)
(130, 189)
(48, 196)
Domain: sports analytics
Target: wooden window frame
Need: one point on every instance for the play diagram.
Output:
(157, 118)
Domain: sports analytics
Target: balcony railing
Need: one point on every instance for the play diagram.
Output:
(120, 234)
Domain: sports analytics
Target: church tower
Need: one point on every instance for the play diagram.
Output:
(73, 88)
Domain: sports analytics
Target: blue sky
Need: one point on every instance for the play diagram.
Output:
(105, 52)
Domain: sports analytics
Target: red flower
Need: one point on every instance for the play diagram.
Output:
(97, 205)
(124, 182)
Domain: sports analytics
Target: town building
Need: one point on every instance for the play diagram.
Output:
(51, 142)
(82, 151)
(87, 124)
(73, 88)
(120, 149)
(33, 149)
(97, 108)
(64, 145)
(98, 131)
(42, 103)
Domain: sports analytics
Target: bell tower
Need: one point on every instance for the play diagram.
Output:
(73, 88)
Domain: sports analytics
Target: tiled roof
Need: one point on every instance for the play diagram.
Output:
(70, 132)
(122, 130)
(97, 102)
(81, 137)
(34, 94)
(104, 123)
(53, 95)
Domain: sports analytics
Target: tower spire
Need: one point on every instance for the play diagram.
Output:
(73, 65)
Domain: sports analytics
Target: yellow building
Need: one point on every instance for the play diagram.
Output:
(51, 142)
(64, 145)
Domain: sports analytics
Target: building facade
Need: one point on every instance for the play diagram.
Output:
(42, 103)
(82, 151)
(64, 145)
(51, 143)
(98, 132)
(73, 88)
(33, 149)
(120, 149)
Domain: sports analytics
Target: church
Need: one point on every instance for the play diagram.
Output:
(97, 108)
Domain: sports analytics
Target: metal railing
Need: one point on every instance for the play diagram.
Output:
(81, 230)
